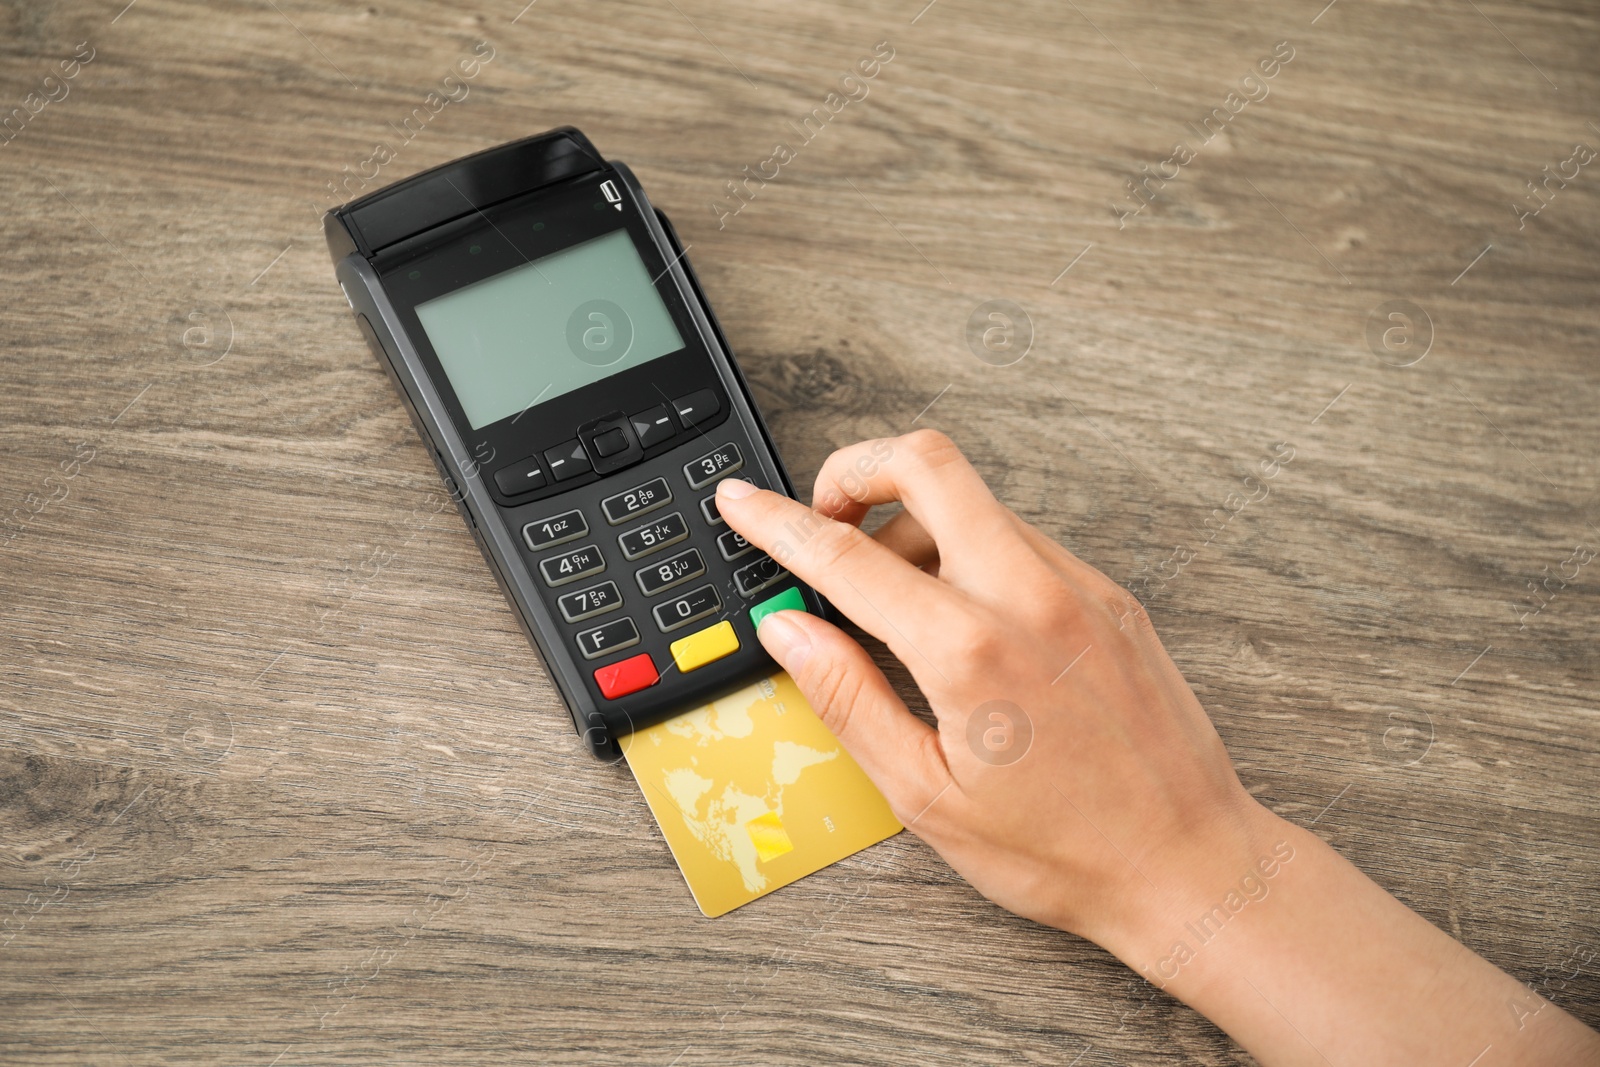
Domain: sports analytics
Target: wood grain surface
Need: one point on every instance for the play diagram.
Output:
(281, 782)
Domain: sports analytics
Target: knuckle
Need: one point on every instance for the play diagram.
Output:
(847, 476)
(833, 545)
(931, 449)
(835, 489)
(1056, 607)
(983, 649)
(1126, 610)
(833, 690)
(986, 642)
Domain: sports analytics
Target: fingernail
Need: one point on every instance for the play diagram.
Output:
(734, 488)
(788, 642)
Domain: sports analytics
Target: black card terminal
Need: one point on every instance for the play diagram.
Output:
(554, 348)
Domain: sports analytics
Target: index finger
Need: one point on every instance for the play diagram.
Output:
(926, 472)
(882, 593)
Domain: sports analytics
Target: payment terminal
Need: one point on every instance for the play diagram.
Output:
(555, 350)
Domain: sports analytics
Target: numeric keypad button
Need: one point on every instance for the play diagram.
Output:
(556, 530)
(573, 565)
(754, 577)
(606, 639)
(713, 465)
(653, 536)
(672, 571)
(681, 611)
(708, 507)
(587, 603)
(639, 500)
(732, 545)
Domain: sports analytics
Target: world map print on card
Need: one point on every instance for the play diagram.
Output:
(752, 792)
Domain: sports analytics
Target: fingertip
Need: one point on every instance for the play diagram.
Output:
(734, 489)
(786, 639)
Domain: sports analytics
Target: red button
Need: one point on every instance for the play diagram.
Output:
(626, 676)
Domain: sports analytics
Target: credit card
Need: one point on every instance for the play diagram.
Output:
(753, 792)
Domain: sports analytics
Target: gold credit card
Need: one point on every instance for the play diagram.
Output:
(753, 792)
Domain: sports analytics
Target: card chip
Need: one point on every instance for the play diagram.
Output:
(769, 836)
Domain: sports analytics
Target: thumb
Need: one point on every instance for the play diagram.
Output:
(898, 751)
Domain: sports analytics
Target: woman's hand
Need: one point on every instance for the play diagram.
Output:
(1072, 777)
(1072, 769)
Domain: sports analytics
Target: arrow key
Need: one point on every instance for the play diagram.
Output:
(567, 461)
(653, 426)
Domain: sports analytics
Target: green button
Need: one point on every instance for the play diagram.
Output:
(788, 600)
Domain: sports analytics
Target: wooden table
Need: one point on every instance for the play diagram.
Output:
(283, 784)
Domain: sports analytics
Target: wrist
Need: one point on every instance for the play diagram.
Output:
(1301, 958)
(1196, 886)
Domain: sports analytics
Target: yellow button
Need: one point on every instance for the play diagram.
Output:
(705, 646)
